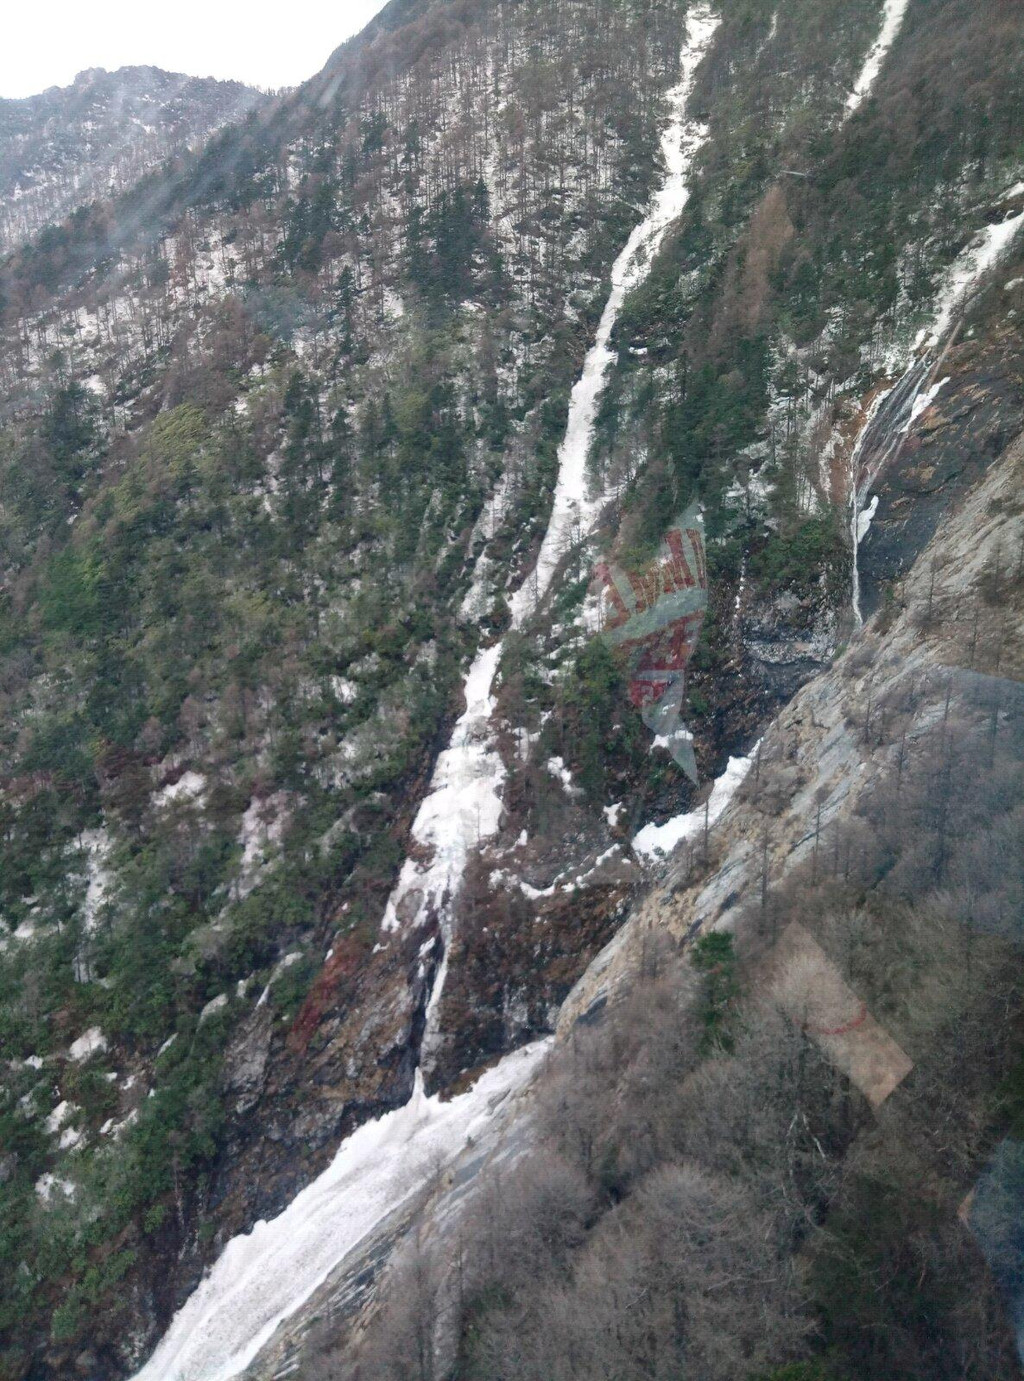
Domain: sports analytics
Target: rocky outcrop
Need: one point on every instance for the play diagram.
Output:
(829, 749)
(977, 411)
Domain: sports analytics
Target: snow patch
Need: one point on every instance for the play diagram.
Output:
(49, 1186)
(115, 1129)
(263, 826)
(189, 787)
(215, 1005)
(62, 1113)
(558, 770)
(97, 846)
(91, 1042)
(655, 841)
(345, 691)
(285, 963)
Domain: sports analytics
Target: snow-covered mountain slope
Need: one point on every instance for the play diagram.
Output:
(94, 139)
(324, 456)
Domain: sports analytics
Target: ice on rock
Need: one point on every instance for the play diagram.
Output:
(864, 519)
(462, 808)
(655, 841)
(461, 811)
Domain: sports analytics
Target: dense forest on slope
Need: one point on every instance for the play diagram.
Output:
(245, 474)
(279, 430)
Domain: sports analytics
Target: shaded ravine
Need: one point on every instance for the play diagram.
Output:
(264, 1276)
(881, 437)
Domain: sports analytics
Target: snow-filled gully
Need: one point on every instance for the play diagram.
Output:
(892, 21)
(264, 1276)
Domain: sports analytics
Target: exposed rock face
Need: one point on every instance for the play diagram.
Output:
(516, 956)
(822, 758)
(245, 1065)
(817, 761)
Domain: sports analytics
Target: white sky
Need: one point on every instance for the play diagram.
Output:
(264, 42)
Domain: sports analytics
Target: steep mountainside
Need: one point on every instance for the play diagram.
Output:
(93, 139)
(321, 453)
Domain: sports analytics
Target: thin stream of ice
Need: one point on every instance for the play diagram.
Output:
(965, 274)
(574, 510)
(855, 499)
(892, 22)
(463, 807)
(917, 389)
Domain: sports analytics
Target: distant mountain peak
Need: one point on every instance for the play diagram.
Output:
(69, 144)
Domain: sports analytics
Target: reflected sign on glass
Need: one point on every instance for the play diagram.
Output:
(653, 618)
